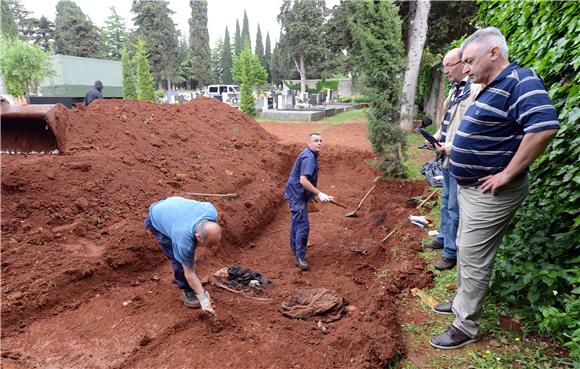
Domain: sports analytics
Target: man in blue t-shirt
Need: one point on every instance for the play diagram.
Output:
(510, 123)
(180, 225)
(300, 189)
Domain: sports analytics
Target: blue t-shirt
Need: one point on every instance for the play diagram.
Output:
(491, 131)
(305, 165)
(177, 218)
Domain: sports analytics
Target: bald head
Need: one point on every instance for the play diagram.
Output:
(208, 233)
(452, 66)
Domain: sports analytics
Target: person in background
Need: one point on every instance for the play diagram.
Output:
(94, 93)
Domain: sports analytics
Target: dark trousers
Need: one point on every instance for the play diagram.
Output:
(167, 247)
(299, 227)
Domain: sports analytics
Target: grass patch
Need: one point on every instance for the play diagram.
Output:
(412, 165)
(353, 116)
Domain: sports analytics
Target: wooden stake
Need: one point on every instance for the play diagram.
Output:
(213, 194)
(424, 201)
(391, 233)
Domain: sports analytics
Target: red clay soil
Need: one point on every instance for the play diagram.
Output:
(85, 286)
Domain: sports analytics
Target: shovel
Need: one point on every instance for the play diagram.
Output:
(353, 213)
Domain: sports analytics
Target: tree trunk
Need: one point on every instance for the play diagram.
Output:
(418, 35)
(302, 70)
(431, 106)
(440, 101)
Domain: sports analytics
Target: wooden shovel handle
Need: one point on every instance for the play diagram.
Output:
(365, 197)
(337, 203)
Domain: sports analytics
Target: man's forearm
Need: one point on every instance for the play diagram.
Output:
(308, 185)
(532, 146)
(193, 280)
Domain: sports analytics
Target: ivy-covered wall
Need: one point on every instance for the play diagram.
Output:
(538, 268)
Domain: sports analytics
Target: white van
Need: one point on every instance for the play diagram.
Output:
(230, 94)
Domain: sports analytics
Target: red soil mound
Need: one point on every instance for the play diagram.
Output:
(69, 217)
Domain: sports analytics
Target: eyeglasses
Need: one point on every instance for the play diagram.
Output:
(449, 66)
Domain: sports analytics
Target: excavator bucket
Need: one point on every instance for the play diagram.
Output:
(33, 128)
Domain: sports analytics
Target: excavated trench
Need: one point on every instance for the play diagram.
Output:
(85, 286)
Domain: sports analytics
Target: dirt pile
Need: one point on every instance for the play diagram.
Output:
(73, 221)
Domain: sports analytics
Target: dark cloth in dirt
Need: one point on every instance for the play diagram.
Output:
(239, 278)
(94, 93)
(314, 302)
(433, 173)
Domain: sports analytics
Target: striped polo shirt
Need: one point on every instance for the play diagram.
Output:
(460, 93)
(491, 131)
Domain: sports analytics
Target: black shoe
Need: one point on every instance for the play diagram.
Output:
(444, 308)
(433, 245)
(453, 338)
(445, 264)
(190, 300)
(302, 264)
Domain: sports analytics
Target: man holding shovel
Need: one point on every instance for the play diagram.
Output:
(180, 225)
(300, 189)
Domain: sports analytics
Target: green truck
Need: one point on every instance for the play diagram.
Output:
(74, 76)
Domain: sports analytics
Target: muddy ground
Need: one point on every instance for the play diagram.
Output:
(85, 286)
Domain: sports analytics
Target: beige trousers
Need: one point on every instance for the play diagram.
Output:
(483, 220)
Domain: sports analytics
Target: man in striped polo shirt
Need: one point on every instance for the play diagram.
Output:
(458, 100)
(508, 126)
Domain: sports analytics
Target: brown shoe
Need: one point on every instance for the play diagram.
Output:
(445, 264)
(433, 245)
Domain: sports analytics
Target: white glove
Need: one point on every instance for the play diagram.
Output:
(324, 197)
(205, 303)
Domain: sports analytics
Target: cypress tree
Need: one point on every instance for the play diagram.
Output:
(75, 34)
(145, 81)
(246, 32)
(238, 40)
(216, 63)
(129, 89)
(268, 57)
(227, 59)
(199, 42)
(259, 45)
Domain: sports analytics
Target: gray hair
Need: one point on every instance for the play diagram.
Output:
(490, 36)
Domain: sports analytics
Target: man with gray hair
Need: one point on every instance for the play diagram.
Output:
(510, 123)
(180, 225)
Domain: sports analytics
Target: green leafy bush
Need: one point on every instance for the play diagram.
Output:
(361, 99)
(537, 271)
(322, 86)
(345, 99)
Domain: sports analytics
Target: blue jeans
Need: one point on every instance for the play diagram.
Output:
(167, 247)
(299, 227)
(449, 220)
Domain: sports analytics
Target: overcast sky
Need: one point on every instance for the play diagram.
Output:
(221, 13)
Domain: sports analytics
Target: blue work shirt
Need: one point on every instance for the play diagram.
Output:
(305, 165)
(177, 218)
(514, 104)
